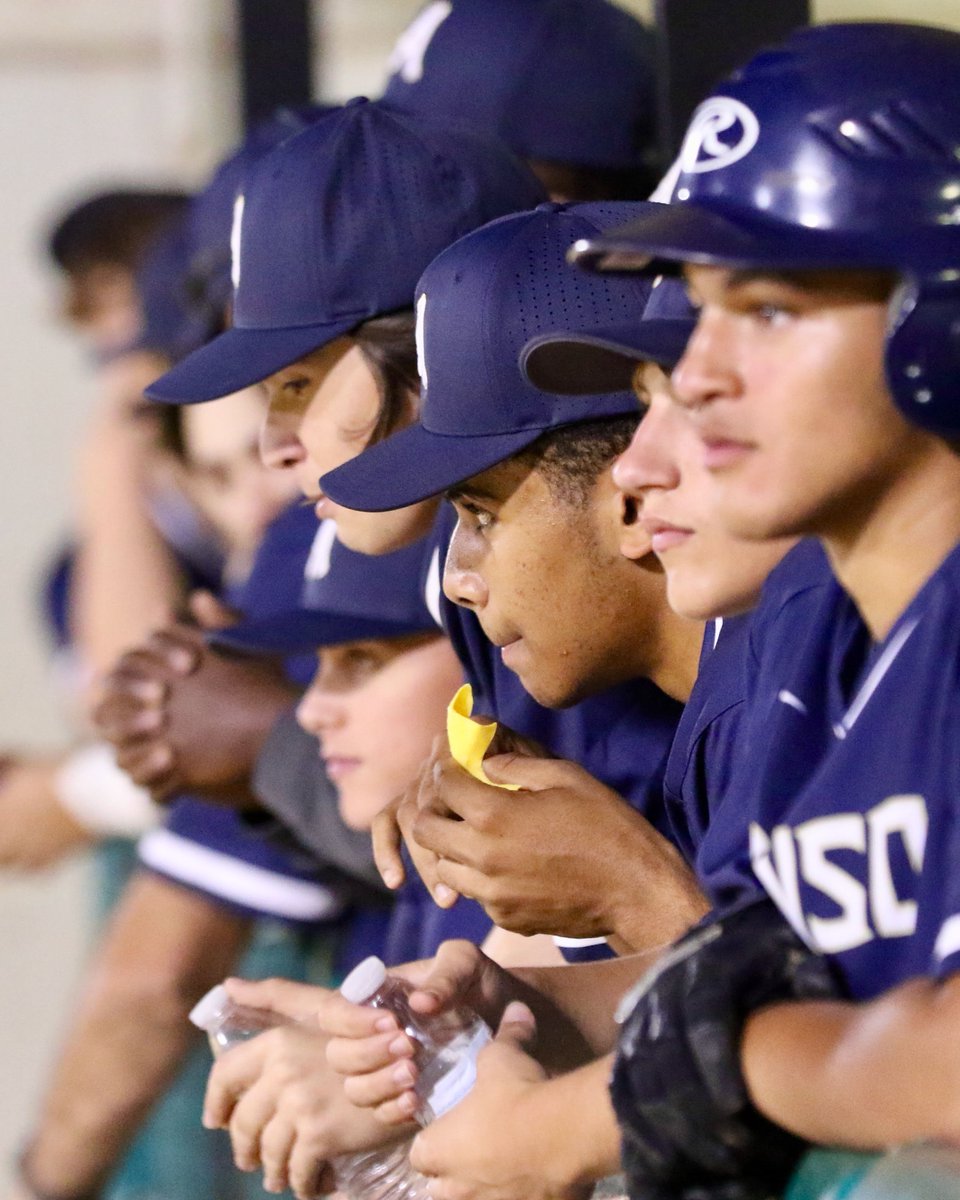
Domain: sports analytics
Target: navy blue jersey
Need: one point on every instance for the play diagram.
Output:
(801, 628)
(704, 749)
(862, 858)
(621, 736)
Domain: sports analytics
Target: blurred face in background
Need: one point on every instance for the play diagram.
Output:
(225, 477)
(375, 707)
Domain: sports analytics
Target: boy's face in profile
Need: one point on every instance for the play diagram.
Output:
(546, 578)
(784, 382)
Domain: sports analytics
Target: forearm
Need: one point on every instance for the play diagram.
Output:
(575, 1005)
(125, 574)
(576, 1118)
(860, 1075)
(163, 948)
(657, 897)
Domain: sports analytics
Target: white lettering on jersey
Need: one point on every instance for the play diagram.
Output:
(406, 58)
(904, 817)
(787, 857)
(318, 560)
(418, 334)
(235, 241)
(816, 839)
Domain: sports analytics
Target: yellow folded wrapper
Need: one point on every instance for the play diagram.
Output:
(469, 740)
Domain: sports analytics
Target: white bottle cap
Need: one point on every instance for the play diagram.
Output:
(205, 1012)
(364, 980)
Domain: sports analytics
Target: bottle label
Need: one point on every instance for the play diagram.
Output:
(457, 1082)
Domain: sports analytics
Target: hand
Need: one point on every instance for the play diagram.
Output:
(285, 1110)
(183, 717)
(398, 819)
(599, 868)
(35, 829)
(368, 1047)
(473, 1152)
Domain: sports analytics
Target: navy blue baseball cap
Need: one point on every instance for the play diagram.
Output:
(170, 327)
(345, 597)
(210, 216)
(334, 227)
(575, 363)
(478, 304)
(568, 81)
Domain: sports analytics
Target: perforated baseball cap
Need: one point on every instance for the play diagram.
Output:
(334, 227)
(574, 363)
(568, 81)
(478, 305)
(344, 597)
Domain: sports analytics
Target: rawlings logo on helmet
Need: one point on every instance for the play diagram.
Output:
(722, 130)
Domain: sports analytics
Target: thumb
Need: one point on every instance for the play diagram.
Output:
(518, 1026)
(519, 768)
(209, 612)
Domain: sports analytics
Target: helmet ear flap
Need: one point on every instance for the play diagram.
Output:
(922, 358)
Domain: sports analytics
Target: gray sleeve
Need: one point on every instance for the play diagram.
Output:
(291, 784)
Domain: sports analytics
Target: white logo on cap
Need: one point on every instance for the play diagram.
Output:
(406, 58)
(431, 588)
(318, 560)
(235, 241)
(421, 352)
(704, 150)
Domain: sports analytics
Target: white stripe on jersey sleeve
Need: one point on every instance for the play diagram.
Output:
(227, 878)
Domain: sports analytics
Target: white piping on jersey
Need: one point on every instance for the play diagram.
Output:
(874, 679)
(948, 939)
(717, 626)
(218, 874)
(572, 943)
(793, 701)
(432, 587)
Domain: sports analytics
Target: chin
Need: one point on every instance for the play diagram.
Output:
(382, 533)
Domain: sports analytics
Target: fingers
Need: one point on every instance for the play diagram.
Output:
(298, 1001)
(251, 1114)
(359, 1055)
(277, 1142)
(518, 1026)
(455, 971)
(179, 648)
(308, 1176)
(386, 846)
(209, 612)
(338, 1017)
(390, 1085)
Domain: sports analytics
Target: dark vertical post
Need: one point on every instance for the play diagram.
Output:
(700, 41)
(276, 55)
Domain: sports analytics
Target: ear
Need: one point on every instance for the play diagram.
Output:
(633, 540)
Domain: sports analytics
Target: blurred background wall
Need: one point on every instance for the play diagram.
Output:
(92, 93)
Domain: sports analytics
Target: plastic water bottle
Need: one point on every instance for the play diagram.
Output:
(446, 1045)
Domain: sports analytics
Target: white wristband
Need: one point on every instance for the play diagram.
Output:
(103, 798)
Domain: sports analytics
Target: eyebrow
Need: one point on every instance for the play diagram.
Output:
(461, 492)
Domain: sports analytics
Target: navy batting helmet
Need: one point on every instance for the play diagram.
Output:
(838, 149)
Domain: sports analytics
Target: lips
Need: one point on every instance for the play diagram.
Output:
(339, 765)
(663, 535)
(720, 448)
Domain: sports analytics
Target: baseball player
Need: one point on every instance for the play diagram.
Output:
(816, 233)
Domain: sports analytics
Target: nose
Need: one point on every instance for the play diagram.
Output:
(462, 582)
(280, 445)
(705, 372)
(649, 461)
(319, 710)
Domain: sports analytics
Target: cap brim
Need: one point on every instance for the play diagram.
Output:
(415, 463)
(239, 358)
(303, 630)
(570, 364)
(692, 233)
